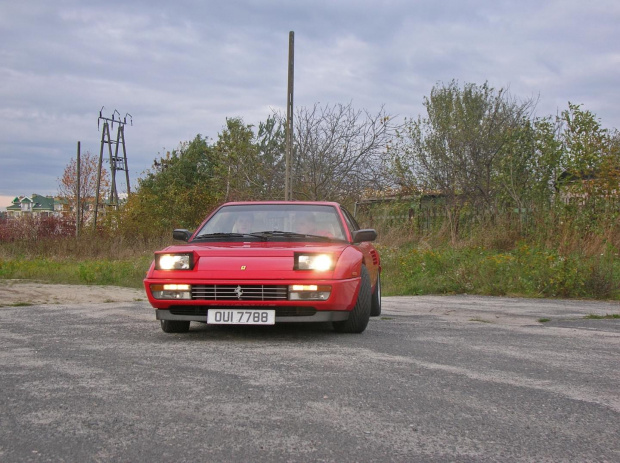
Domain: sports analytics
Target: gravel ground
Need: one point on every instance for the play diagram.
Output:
(21, 292)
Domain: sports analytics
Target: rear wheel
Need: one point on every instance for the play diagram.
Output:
(359, 316)
(375, 305)
(174, 326)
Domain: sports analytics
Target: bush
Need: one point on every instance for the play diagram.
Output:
(35, 228)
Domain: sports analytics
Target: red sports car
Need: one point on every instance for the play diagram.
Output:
(260, 263)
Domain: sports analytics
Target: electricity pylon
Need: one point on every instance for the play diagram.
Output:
(117, 162)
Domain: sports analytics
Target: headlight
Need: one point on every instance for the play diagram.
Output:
(318, 262)
(174, 261)
(171, 291)
(308, 292)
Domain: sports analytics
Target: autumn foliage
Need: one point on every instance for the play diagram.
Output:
(68, 185)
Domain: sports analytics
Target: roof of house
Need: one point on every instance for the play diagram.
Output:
(42, 203)
(39, 203)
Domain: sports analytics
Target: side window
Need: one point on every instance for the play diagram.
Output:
(351, 223)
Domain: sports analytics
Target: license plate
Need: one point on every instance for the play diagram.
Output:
(241, 317)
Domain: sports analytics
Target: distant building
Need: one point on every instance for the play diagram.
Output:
(578, 188)
(48, 206)
(34, 205)
(62, 207)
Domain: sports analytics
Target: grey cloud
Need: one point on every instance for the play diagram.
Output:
(181, 68)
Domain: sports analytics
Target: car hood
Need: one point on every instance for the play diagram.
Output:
(254, 260)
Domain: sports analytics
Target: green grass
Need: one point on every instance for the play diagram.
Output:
(128, 273)
(525, 271)
(479, 320)
(409, 268)
(544, 320)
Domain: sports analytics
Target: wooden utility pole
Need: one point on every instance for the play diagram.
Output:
(288, 182)
(77, 194)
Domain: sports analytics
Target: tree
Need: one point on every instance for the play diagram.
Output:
(338, 152)
(178, 191)
(456, 149)
(68, 185)
(529, 165)
(251, 165)
(591, 161)
(238, 161)
(270, 143)
(187, 183)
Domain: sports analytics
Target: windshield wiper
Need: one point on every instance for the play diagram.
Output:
(320, 237)
(263, 235)
(211, 236)
(287, 234)
(276, 234)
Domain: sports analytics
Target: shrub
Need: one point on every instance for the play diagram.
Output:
(35, 228)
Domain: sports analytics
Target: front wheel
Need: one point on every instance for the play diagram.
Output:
(174, 326)
(359, 316)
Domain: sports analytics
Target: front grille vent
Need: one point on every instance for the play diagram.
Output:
(239, 293)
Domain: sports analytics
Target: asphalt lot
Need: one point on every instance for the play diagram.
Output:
(457, 378)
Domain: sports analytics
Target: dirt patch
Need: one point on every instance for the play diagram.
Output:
(17, 292)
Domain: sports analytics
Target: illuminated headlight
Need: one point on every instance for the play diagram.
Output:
(174, 261)
(171, 291)
(318, 262)
(308, 292)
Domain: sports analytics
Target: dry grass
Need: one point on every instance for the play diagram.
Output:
(87, 246)
(501, 258)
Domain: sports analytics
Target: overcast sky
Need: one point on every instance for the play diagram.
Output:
(180, 68)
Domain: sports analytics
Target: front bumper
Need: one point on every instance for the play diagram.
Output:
(337, 307)
(199, 314)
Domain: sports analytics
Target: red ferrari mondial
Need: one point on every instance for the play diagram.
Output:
(261, 263)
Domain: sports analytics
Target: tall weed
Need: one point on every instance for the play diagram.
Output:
(524, 271)
(93, 258)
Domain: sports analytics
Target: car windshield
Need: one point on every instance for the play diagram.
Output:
(274, 221)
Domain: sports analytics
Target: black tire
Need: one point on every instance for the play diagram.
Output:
(359, 316)
(174, 326)
(375, 305)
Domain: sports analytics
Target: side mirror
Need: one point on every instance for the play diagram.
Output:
(181, 234)
(367, 234)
